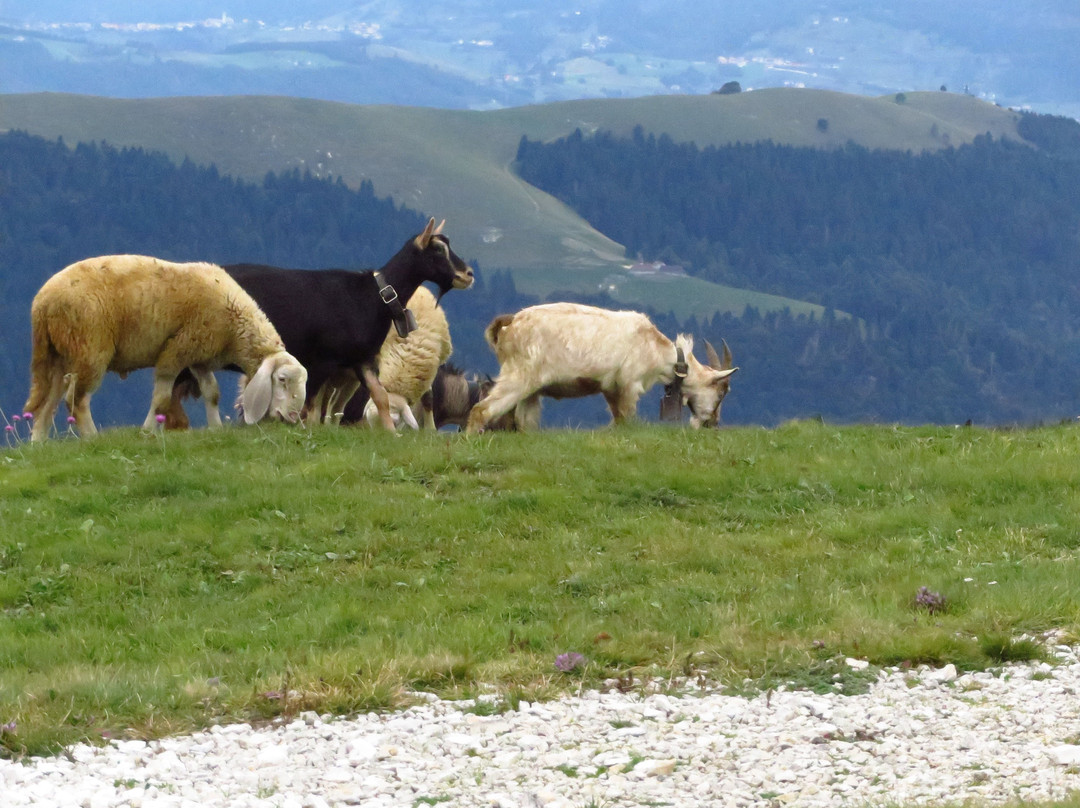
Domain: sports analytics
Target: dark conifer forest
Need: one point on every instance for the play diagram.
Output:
(961, 268)
(951, 280)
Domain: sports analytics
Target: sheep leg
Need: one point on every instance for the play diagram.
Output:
(504, 396)
(211, 395)
(79, 405)
(81, 384)
(161, 398)
(378, 396)
(176, 418)
(46, 410)
(313, 407)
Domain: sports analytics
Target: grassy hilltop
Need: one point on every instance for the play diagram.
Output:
(458, 164)
(151, 584)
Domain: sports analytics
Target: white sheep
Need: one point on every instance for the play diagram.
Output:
(407, 368)
(568, 350)
(125, 312)
(400, 411)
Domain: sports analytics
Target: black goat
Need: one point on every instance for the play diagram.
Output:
(334, 320)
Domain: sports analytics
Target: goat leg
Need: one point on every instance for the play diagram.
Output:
(378, 395)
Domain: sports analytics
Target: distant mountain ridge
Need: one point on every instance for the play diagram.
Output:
(461, 54)
(459, 164)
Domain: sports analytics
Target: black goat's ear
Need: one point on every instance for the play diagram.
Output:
(424, 238)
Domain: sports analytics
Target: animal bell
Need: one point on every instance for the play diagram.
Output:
(406, 324)
(671, 404)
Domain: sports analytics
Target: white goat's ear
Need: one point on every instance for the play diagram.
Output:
(723, 374)
(258, 393)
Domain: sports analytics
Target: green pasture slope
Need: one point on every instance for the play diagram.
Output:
(458, 164)
(151, 584)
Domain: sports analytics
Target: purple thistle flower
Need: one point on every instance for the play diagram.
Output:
(569, 661)
(29, 416)
(10, 726)
(9, 428)
(71, 419)
(159, 418)
(933, 602)
(16, 418)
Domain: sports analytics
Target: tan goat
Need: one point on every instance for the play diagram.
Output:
(569, 350)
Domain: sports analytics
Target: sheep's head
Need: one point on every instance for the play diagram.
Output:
(400, 412)
(705, 386)
(442, 265)
(277, 389)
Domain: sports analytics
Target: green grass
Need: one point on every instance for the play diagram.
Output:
(458, 164)
(153, 584)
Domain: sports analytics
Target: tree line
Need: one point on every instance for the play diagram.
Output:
(950, 280)
(961, 267)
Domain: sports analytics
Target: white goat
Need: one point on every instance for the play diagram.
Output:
(407, 368)
(125, 312)
(568, 350)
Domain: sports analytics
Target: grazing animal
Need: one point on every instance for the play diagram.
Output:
(454, 395)
(450, 399)
(335, 320)
(407, 368)
(400, 411)
(569, 350)
(125, 312)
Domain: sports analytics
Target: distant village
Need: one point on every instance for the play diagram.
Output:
(657, 268)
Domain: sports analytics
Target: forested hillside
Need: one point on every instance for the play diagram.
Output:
(963, 265)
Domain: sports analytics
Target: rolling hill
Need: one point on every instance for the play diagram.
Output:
(459, 164)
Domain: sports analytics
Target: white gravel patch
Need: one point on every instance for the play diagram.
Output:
(918, 736)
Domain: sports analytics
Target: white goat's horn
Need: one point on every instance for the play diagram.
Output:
(715, 361)
(712, 357)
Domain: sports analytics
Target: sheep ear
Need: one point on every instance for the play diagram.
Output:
(409, 417)
(424, 238)
(258, 393)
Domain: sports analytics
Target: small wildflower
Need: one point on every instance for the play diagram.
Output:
(9, 428)
(8, 728)
(71, 419)
(159, 418)
(569, 661)
(933, 602)
(16, 418)
(29, 416)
